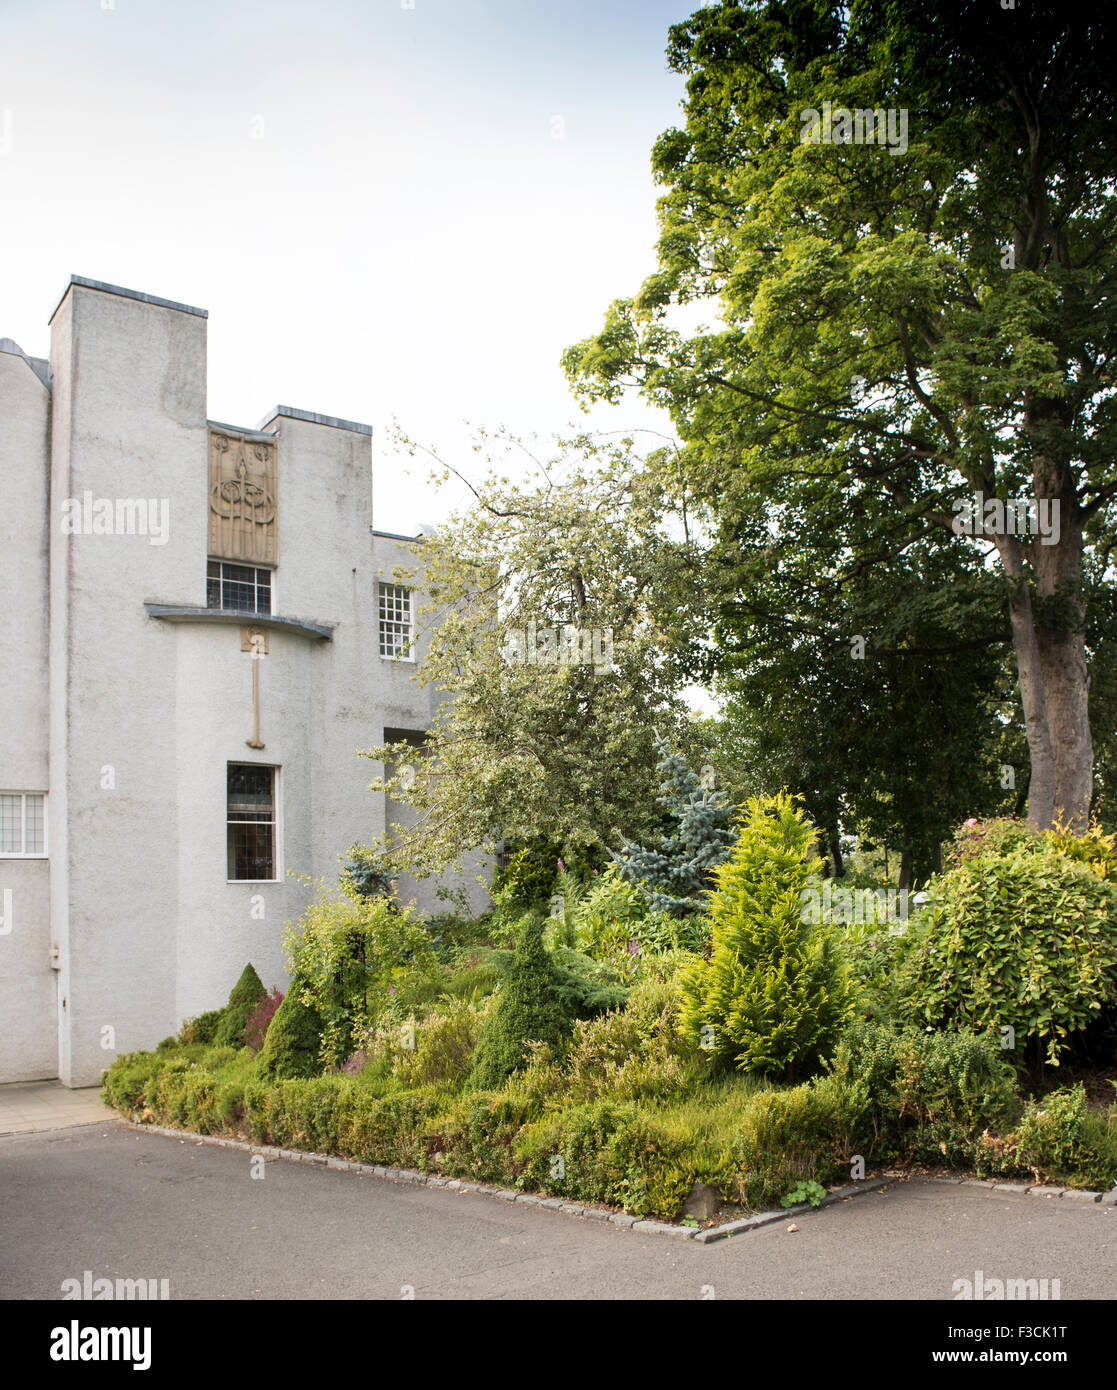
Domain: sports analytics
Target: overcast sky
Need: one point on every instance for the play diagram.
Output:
(388, 211)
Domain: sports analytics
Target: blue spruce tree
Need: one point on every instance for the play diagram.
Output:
(679, 870)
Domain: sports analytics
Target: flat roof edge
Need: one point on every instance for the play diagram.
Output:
(85, 283)
(312, 418)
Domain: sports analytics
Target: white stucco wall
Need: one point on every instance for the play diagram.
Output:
(28, 986)
(130, 719)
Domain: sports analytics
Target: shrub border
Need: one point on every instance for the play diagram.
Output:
(622, 1219)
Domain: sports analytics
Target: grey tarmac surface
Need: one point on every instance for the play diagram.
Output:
(123, 1203)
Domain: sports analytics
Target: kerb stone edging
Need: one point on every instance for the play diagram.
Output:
(621, 1219)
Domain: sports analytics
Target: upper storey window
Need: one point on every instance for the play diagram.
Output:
(396, 632)
(242, 588)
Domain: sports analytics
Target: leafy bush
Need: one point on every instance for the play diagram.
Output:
(607, 1152)
(255, 1030)
(1000, 836)
(799, 1134)
(585, 987)
(530, 1009)
(1026, 939)
(127, 1080)
(912, 1094)
(246, 994)
(607, 917)
(350, 954)
(202, 1028)
(527, 880)
(635, 1053)
(874, 957)
(774, 994)
(433, 1051)
(1059, 1137)
(293, 1041)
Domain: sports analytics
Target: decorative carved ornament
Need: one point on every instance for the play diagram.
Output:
(242, 499)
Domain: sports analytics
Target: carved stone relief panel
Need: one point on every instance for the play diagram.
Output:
(242, 499)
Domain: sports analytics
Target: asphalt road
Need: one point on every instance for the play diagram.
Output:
(124, 1203)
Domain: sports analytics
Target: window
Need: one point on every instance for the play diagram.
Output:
(395, 622)
(23, 826)
(242, 588)
(251, 821)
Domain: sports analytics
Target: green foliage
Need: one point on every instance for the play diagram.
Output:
(567, 607)
(1059, 1137)
(870, 340)
(351, 953)
(584, 986)
(126, 1081)
(774, 994)
(634, 1053)
(363, 877)
(609, 1152)
(202, 1028)
(527, 879)
(608, 916)
(922, 1095)
(1025, 938)
(433, 1051)
(812, 1192)
(677, 871)
(874, 957)
(292, 1044)
(530, 1009)
(246, 994)
(799, 1134)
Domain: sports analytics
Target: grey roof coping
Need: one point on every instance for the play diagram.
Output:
(313, 419)
(186, 613)
(392, 535)
(241, 431)
(128, 294)
(39, 365)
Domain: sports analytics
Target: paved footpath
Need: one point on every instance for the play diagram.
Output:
(124, 1203)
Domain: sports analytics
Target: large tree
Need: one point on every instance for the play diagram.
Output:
(560, 613)
(914, 325)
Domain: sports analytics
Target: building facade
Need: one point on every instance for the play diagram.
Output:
(202, 630)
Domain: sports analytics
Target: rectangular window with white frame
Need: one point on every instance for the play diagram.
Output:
(397, 632)
(238, 588)
(252, 823)
(23, 825)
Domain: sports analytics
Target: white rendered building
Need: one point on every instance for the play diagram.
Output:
(201, 629)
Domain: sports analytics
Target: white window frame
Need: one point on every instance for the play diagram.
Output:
(44, 853)
(244, 564)
(384, 589)
(277, 820)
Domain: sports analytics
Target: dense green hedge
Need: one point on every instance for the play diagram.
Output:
(891, 1096)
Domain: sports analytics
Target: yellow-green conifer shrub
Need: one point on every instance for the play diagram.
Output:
(774, 994)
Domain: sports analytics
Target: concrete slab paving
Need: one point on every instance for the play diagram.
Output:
(27, 1107)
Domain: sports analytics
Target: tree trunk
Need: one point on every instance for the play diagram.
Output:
(1059, 619)
(907, 870)
(1029, 672)
(836, 853)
